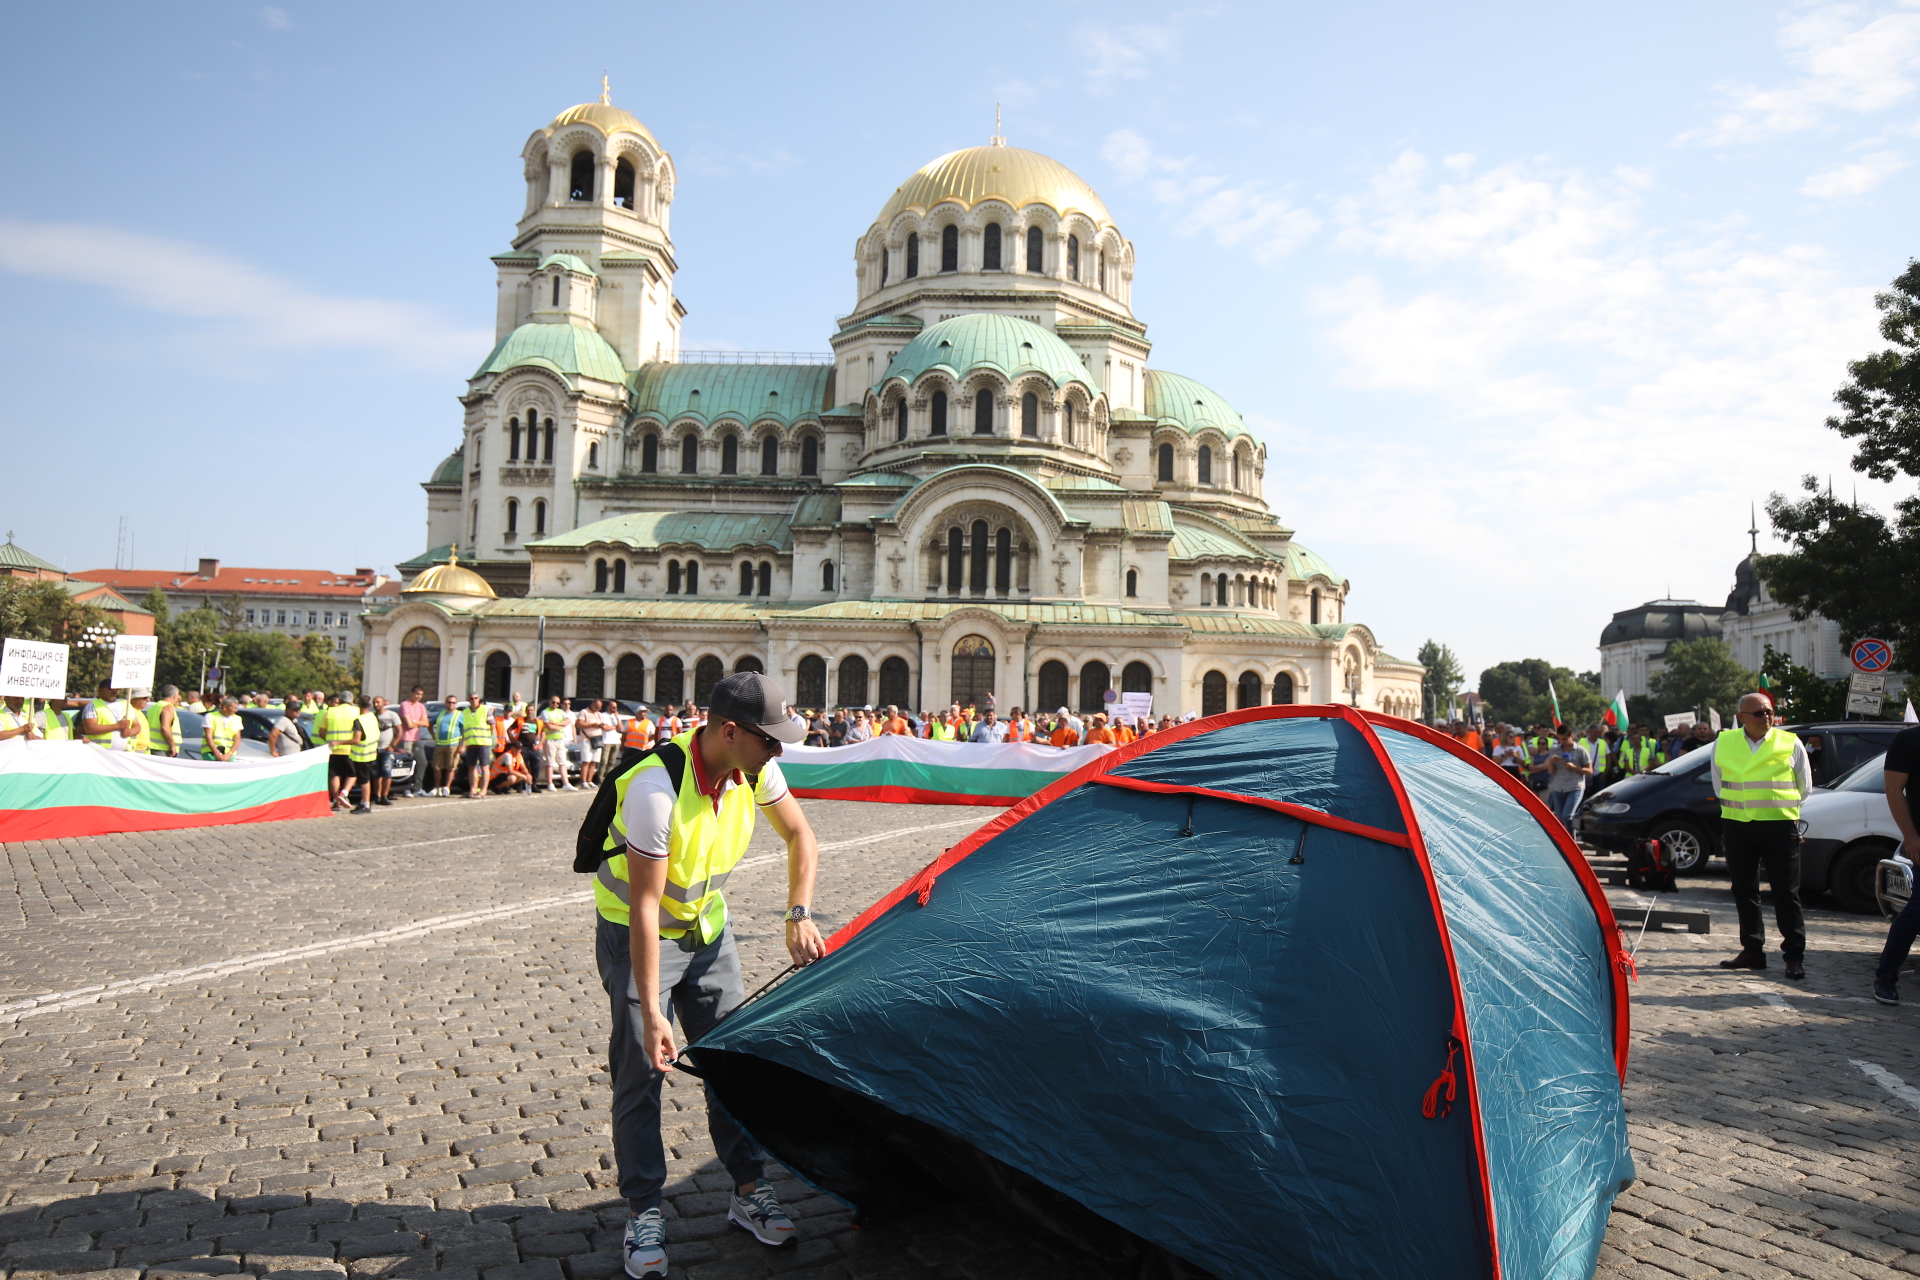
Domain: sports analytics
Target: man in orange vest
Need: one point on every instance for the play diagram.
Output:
(893, 722)
(1099, 732)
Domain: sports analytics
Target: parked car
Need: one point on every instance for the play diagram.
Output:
(1675, 802)
(1848, 829)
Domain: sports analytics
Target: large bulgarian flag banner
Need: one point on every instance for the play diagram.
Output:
(54, 790)
(900, 770)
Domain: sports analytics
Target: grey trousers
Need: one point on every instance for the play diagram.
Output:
(700, 985)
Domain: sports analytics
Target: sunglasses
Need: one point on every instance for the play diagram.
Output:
(773, 744)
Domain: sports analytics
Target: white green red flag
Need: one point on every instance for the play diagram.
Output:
(1616, 714)
(896, 769)
(57, 790)
(1555, 698)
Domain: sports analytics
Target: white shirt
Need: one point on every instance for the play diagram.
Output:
(1802, 768)
(648, 810)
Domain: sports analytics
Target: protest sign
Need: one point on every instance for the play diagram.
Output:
(1136, 706)
(33, 669)
(133, 661)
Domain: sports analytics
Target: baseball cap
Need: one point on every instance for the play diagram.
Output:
(751, 698)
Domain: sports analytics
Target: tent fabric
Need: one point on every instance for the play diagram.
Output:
(1201, 1001)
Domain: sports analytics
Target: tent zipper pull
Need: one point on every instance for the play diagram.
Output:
(1188, 829)
(1441, 1093)
(1300, 850)
(926, 891)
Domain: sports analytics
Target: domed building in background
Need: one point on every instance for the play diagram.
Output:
(984, 488)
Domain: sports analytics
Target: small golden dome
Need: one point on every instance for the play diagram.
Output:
(1019, 177)
(605, 117)
(450, 579)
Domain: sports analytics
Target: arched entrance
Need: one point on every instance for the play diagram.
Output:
(420, 663)
(973, 671)
(853, 681)
(1136, 677)
(1213, 693)
(669, 681)
(630, 678)
(810, 689)
(498, 680)
(895, 683)
(553, 678)
(1051, 692)
(1283, 690)
(1250, 690)
(590, 677)
(706, 673)
(1095, 680)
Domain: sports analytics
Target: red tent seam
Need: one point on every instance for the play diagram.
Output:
(1306, 813)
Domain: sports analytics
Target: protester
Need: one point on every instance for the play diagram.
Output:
(989, 730)
(1066, 730)
(1568, 768)
(106, 721)
(635, 740)
(447, 728)
(669, 726)
(286, 737)
(817, 730)
(1637, 753)
(1903, 754)
(416, 739)
(586, 727)
(391, 727)
(1761, 773)
(476, 742)
(220, 731)
(861, 730)
(1098, 731)
(16, 720)
(837, 728)
(163, 723)
(553, 735)
(1508, 753)
(894, 724)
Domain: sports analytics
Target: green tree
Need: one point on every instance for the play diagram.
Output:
(1701, 675)
(1516, 692)
(187, 640)
(1800, 695)
(44, 610)
(267, 661)
(1442, 680)
(1849, 563)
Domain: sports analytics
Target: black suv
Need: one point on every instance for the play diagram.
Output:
(1675, 801)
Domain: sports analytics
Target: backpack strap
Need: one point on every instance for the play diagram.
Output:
(590, 845)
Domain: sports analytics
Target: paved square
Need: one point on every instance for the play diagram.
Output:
(375, 1047)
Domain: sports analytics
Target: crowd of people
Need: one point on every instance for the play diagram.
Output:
(970, 723)
(1562, 762)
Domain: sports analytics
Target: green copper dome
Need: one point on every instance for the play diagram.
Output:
(1008, 346)
(571, 350)
(1303, 564)
(1190, 405)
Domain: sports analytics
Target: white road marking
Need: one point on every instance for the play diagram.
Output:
(55, 1001)
(849, 844)
(1892, 1083)
(382, 848)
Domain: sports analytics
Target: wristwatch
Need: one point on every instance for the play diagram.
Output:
(796, 914)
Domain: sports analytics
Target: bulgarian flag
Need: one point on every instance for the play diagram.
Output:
(1555, 698)
(59, 790)
(896, 769)
(1616, 713)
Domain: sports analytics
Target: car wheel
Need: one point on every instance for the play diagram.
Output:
(1850, 880)
(1686, 844)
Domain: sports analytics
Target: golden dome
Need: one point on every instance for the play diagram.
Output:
(450, 579)
(1019, 177)
(605, 117)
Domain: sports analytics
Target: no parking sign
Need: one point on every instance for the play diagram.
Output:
(1871, 655)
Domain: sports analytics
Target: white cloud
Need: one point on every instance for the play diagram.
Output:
(1124, 53)
(1856, 179)
(1244, 215)
(253, 306)
(1852, 59)
(276, 19)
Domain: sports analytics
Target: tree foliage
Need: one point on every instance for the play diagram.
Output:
(1849, 563)
(1516, 692)
(43, 610)
(262, 661)
(1701, 675)
(1799, 694)
(1442, 680)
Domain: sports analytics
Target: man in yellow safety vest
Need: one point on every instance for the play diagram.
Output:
(682, 818)
(334, 727)
(221, 731)
(106, 721)
(163, 722)
(16, 720)
(1638, 753)
(1761, 773)
(363, 748)
(476, 744)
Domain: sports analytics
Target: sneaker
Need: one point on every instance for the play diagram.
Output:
(363, 808)
(1796, 968)
(1746, 960)
(1885, 992)
(762, 1215)
(645, 1246)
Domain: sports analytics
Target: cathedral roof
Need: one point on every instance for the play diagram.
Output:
(12, 557)
(571, 350)
(1194, 541)
(708, 530)
(1005, 344)
(1303, 564)
(605, 117)
(567, 261)
(1019, 177)
(1191, 405)
(1662, 620)
(450, 579)
(749, 392)
(452, 468)
(1746, 587)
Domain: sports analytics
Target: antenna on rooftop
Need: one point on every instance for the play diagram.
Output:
(996, 140)
(1753, 528)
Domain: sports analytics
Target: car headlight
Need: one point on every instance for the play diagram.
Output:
(1611, 807)
(1801, 826)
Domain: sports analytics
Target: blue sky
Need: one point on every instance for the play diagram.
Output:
(1528, 306)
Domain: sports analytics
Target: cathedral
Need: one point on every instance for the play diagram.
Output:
(984, 489)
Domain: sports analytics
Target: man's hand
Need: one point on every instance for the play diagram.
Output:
(656, 1037)
(804, 942)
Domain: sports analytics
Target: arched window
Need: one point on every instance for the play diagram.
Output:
(1136, 677)
(593, 455)
(549, 430)
(553, 677)
(826, 576)
(673, 577)
(1133, 583)
(900, 420)
(1313, 606)
(689, 454)
(1095, 680)
(766, 579)
(539, 517)
(1236, 471)
(590, 677)
(810, 688)
(619, 577)
(1035, 252)
(1203, 467)
(1066, 421)
(649, 453)
(420, 663)
(1213, 693)
(730, 455)
(747, 662)
(474, 533)
(1103, 271)
(1030, 414)
(977, 561)
(1052, 689)
(580, 186)
(1003, 561)
(746, 577)
(770, 456)
(669, 681)
(950, 248)
(1206, 588)
(556, 288)
(1283, 690)
(693, 577)
(513, 516)
(913, 256)
(972, 671)
(1248, 693)
(496, 683)
(513, 439)
(1164, 458)
(707, 672)
(990, 248)
(895, 684)
(1220, 589)
(955, 558)
(983, 412)
(630, 678)
(1073, 258)
(623, 185)
(810, 456)
(885, 262)
(600, 575)
(853, 681)
(938, 426)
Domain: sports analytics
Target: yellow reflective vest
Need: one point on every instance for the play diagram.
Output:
(335, 726)
(221, 731)
(365, 750)
(14, 719)
(553, 724)
(156, 735)
(54, 725)
(143, 733)
(1757, 784)
(476, 727)
(1638, 757)
(110, 712)
(704, 844)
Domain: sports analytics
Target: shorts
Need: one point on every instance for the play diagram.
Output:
(443, 757)
(383, 765)
(366, 770)
(339, 766)
(477, 757)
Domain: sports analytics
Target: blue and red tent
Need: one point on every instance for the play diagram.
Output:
(1293, 991)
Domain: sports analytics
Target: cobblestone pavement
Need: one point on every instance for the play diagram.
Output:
(374, 1047)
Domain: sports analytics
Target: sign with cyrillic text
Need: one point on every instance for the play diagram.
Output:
(33, 669)
(133, 661)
